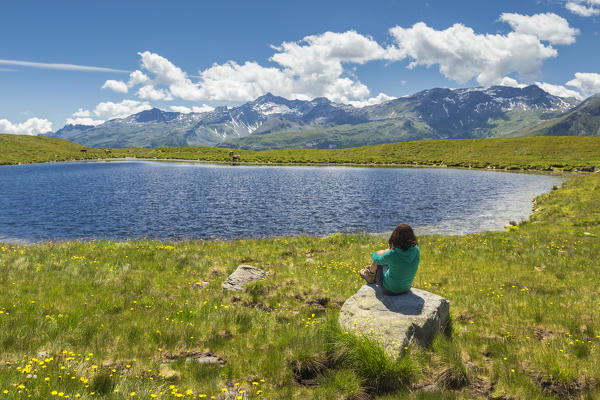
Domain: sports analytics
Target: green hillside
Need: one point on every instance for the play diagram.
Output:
(17, 149)
(584, 120)
(402, 129)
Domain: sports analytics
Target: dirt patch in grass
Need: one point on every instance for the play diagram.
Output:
(306, 371)
(451, 378)
(571, 389)
(464, 316)
(542, 333)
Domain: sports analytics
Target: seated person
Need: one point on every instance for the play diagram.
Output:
(394, 269)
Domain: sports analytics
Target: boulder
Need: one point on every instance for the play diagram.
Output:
(241, 276)
(395, 321)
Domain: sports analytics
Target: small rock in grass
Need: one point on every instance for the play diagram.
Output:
(430, 388)
(206, 357)
(168, 373)
(243, 275)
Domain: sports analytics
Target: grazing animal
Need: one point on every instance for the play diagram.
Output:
(236, 158)
(107, 151)
(83, 150)
(231, 154)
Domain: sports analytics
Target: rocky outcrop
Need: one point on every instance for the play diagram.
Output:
(395, 321)
(243, 275)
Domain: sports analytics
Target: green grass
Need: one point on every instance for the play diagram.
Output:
(86, 319)
(533, 153)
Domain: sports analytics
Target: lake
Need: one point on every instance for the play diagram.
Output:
(164, 200)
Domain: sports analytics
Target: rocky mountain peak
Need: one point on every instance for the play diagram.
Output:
(154, 115)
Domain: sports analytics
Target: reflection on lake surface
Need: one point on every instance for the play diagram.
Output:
(131, 199)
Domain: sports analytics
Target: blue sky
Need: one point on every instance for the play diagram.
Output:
(193, 55)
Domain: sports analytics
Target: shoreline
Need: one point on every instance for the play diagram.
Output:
(554, 171)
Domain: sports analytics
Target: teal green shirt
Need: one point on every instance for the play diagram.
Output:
(402, 268)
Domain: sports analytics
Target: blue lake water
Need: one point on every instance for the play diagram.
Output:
(132, 199)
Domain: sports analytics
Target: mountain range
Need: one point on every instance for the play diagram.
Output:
(275, 122)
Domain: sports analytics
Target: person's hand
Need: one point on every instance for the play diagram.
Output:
(382, 252)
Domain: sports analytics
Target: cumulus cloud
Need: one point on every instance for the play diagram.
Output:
(82, 113)
(33, 126)
(548, 27)
(558, 90)
(587, 82)
(463, 54)
(380, 98)
(135, 78)
(202, 108)
(83, 121)
(311, 67)
(149, 92)
(584, 8)
(508, 81)
(321, 65)
(116, 86)
(106, 111)
(109, 110)
(195, 109)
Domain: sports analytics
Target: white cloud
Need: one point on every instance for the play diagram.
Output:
(548, 27)
(106, 111)
(33, 126)
(584, 8)
(233, 82)
(83, 117)
(64, 67)
(82, 113)
(587, 82)
(311, 67)
(116, 86)
(168, 74)
(137, 77)
(322, 65)
(109, 110)
(508, 81)
(83, 121)
(149, 92)
(181, 109)
(463, 54)
(380, 98)
(202, 108)
(196, 109)
(558, 90)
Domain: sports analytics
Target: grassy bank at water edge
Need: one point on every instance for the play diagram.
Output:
(102, 319)
(532, 153)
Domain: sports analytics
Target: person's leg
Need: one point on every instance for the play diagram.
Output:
(379, 274)
(373, 267)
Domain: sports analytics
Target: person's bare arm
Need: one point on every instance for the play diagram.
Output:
(379, 253)
(382, 252)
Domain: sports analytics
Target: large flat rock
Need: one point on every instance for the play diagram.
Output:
(243, 275)
(395, 321)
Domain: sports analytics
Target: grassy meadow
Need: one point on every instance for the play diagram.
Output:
(116, 320)
(531, 153)
(119, 320)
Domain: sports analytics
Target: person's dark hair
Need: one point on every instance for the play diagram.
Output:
(402, 237)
